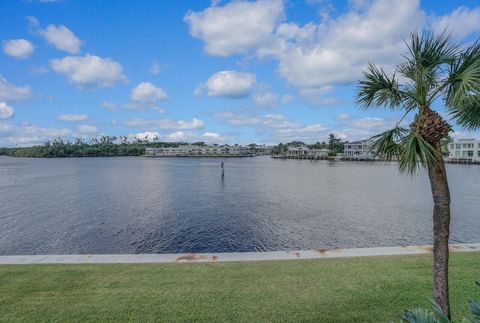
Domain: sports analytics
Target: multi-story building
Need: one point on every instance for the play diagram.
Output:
(193, 150)
(305, 152)
(464, 149)
(359, 149)
(262, 150)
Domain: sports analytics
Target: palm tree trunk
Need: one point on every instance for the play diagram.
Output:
(441, 230)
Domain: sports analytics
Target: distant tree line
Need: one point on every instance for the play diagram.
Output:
(334, 144)
(104, 146)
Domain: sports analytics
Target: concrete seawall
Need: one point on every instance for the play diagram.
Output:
(234, 256)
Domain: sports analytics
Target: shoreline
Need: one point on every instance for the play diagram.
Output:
(228, 257)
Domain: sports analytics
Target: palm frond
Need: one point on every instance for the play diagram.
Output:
(463, 92)
(376, 89)
(387, 144)
(416, 153)
(429, 57)
(428, 51)
(467, 112)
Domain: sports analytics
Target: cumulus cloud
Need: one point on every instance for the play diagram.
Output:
(89, 70)
(143, 96)
(11, 93)
(335, 51)
(237, 27)
(6, 111)
(147, 92)
(461, 22)
(61, 38)
(72, 117)
(316, 54)
(166, 123)
(228, 84)
(27, 135)
(276, 127)
(18, 48)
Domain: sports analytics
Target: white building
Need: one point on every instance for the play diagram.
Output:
(465, 149)
(359, 149)
(305, 152)
(193, 150)
(261, 150)
(297, 152)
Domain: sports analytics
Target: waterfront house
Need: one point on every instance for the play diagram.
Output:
(464, 149)
(261, 150)
(297, 152)
(305, 152)
(359, 149)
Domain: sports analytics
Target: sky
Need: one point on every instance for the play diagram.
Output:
(264, 71)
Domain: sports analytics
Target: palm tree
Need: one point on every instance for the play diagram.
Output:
(435, 69)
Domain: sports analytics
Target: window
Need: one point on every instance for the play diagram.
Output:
(470, 153)
(458, 146)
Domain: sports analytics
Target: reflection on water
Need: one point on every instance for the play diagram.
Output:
(142, 205)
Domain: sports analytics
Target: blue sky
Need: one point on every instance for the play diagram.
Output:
(241, 71)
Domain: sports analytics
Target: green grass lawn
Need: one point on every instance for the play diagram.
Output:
(373, 289)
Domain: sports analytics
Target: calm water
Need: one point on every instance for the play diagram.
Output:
(141, 205)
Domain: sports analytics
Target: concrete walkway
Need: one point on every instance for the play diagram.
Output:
(235, 256)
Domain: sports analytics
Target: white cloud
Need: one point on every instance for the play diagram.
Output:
(147, 92)
(370, 122)
(89, 70)
(61, 38)
(335, 51)
(461, 22)
(277, 127)
(12, 93)
(316, 96)
(155, 69)
(237, 27)
(265, 99)
(316, 54)
(6, 111)
(229, 84)
(72, 117)
(28, 135)
(18, 48)
(343, 117)
(465, 134)
(86, 129)
(166, 123)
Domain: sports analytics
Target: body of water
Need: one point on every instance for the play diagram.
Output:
(148, 205)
